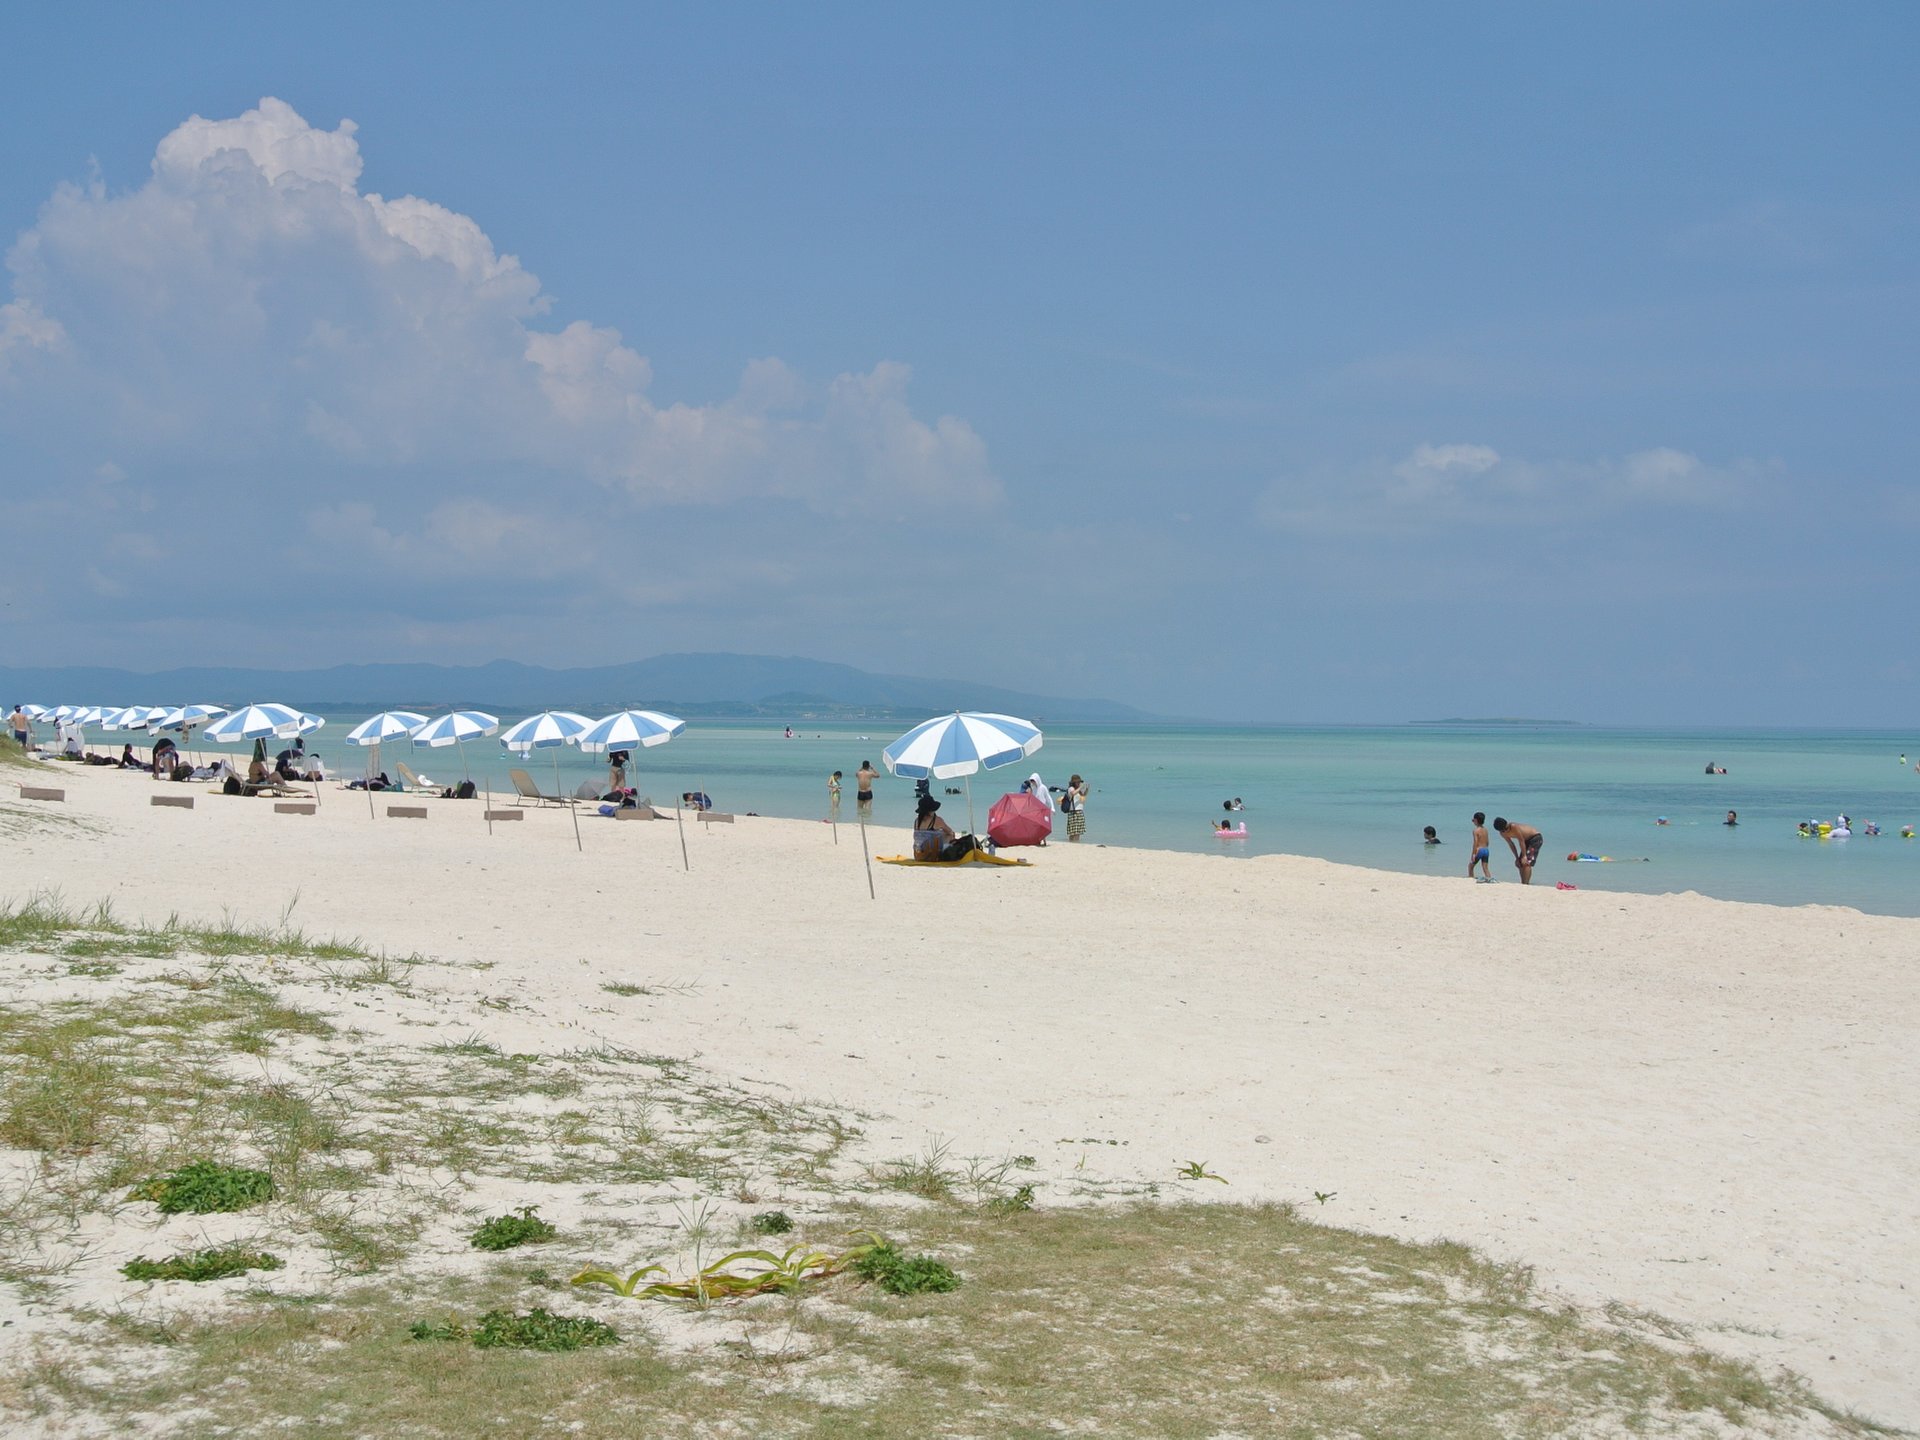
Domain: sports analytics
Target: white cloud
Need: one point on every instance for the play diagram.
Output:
(247, 304)
(23, 327)
(1437, 486)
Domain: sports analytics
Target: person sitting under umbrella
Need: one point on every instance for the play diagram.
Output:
(933, 838)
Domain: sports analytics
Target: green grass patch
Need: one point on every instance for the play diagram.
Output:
(1176, 1322)
(44, 923)
(206, 1188)
(505, 1232)
(899, 1274)
(213, 1264)
(534, 1330)
(772, 1222)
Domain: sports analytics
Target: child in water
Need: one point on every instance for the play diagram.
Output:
(1478, 851)
(1432, 837)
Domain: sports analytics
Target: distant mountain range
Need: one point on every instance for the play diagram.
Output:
(775, 687)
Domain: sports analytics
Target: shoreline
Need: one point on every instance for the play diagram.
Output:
(1651, 1099)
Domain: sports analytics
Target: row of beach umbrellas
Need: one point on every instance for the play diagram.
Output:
(942, 748)
(945, 747)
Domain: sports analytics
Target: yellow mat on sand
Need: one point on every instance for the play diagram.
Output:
(972, 857)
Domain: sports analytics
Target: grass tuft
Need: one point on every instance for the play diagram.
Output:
(212, 1264)
(206, 1188)
(534, 1330)
(898, 1274)
(505, 1232)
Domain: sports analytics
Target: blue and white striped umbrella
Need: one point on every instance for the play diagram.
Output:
(630, 729)
(36, 712)
(959, 744)
(456, 727)
(387, 725)
(184, 717)
(257, 722)
(548, 728)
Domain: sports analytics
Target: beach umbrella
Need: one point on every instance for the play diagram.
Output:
(546, 731)
(456, 728)
(184, 717)
(630, 730)
(1019, 819)
(960, 744)
(257, 722)
(549, 730)
(35, 712)
(387, 725)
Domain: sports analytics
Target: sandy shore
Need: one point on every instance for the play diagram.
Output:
(1683, 1105)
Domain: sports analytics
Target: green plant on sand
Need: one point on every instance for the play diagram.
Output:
(206, 1188)
(211, 1264)
(1197, 1170)
(898, 1274)
(504, 1232)
(772, 1222)
(537, 1329)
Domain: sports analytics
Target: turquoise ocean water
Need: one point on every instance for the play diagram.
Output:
(1361, 794)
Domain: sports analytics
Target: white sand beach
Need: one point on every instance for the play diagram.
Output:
(1674, 1104)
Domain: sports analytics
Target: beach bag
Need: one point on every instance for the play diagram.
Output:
(183, 772)
(609, 810)
(959, 848)
(464, 790)
(230, 786)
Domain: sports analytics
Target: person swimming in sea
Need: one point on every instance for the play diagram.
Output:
(1431, 836)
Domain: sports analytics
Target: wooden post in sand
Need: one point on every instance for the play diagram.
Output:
(867, 855)
(681, 826)
(489, 804)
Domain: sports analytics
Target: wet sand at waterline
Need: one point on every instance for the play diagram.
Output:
(1683, 1105)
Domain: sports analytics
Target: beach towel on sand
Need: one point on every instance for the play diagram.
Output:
(972, 857)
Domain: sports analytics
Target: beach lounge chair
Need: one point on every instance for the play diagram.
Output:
(412, 782)
(525, 788)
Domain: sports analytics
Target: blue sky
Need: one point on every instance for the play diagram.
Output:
(1269, 362)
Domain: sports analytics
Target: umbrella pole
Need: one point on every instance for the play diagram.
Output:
(573, 806)
(867, 855)
(372, 770)
(968, 782)
(489, 809)
(681, 826)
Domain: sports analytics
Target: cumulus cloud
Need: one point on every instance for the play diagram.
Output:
(250, 304)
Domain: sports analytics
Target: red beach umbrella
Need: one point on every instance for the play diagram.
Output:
(1019, 819)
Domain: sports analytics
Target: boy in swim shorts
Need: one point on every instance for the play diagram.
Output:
(1525, 842)
(1478, 850)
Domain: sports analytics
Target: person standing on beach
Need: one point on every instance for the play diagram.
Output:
(22, 728)
(1073, 800)
(863, 796)
(1478, 850)
(1525, 842)
(833, 796)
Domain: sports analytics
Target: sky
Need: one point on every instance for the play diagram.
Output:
(1251, 362)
